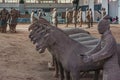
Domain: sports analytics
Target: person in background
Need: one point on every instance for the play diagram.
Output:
(116, 18)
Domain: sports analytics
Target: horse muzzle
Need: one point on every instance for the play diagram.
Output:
(41, 50)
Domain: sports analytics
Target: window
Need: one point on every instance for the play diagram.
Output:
(112, 0)
(38, 1)
(65, 1)
(11, 1)
(30, 1)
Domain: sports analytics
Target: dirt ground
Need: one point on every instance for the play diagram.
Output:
(20, 61)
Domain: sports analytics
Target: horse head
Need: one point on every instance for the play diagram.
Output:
(47, 39)
(35, 38)
(37, 26)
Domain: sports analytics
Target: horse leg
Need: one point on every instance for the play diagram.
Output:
(67, 75)
(10, 27)
(0, 29)
(14, 28)
(75, 75)
(96, 76)
(61, 71)
(55, 62)
(5, 28)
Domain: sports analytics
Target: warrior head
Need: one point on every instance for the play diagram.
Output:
(104, 25)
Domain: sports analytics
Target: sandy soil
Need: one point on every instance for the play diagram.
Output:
(20, 61)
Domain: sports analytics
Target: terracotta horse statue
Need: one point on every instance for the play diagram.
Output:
(56, 41)
(41, 30)
(36, 28)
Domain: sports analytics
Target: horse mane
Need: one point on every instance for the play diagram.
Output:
(61, 35)
(43, 22)
(36, 22)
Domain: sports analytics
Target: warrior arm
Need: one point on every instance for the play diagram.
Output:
(7, 16)
(105, 52)
(94, 50)
(66, 14)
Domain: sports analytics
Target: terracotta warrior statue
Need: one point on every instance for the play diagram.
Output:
(14, 14)
(88, 17)
(91, 18)
(4, 14)
(103, 12)
(74, 21)
(32, 16)
(54, 17)
(67, 17)
(40, 13)
(105, 51)
(79, 16)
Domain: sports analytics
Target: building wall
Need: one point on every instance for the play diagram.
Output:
(114, 8)
(8, 5)
(52, 5)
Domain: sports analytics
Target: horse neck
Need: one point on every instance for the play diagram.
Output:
(63, 42)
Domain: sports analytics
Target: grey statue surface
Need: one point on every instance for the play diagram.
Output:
(105, 51)
(36, 31)
(68, 56)
(41, 35)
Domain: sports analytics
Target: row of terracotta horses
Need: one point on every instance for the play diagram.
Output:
(65, 50)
